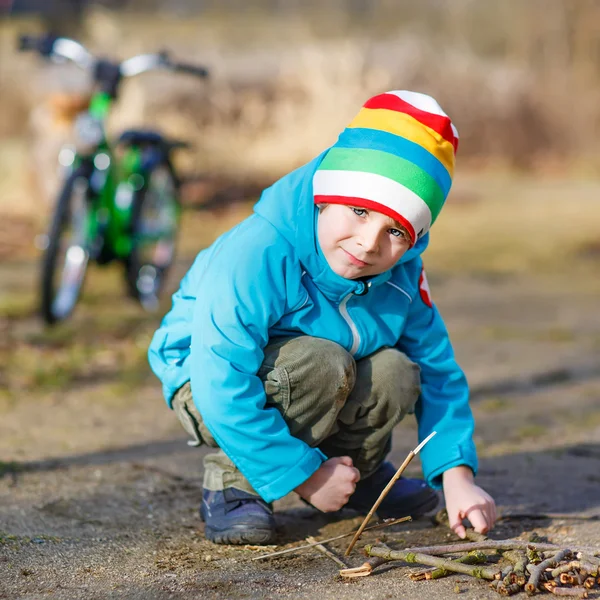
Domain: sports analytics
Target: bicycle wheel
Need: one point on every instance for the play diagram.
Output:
(155, 220)
(67, 252)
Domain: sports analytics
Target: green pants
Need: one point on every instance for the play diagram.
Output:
(328, 400)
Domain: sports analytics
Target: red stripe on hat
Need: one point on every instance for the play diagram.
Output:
(370, 204)
(438, 123)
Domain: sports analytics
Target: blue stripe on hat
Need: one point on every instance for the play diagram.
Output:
(375, 139)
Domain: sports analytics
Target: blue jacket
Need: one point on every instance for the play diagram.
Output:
(266, 277)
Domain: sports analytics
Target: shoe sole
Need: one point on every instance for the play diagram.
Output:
(240, 536)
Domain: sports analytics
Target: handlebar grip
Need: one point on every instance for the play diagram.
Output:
(43, 44)
(27, 43)
(190, 70)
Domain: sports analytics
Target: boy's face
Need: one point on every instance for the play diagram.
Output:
(359, 242)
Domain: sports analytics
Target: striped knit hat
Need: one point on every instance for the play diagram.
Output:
(396, 157)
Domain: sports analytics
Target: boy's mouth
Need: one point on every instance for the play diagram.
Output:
(355, 261)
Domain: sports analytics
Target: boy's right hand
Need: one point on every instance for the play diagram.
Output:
(331, 485)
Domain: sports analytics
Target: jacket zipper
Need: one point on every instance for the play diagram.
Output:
(346, 315)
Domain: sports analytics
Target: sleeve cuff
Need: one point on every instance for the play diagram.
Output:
(456, 458)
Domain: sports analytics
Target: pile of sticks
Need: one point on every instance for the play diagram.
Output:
(532, 567)
(563, 573)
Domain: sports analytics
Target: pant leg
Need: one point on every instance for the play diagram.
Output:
(386, 389)
(307, 379)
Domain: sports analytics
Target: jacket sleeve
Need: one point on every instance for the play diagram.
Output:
(444, 402)
(240, 295)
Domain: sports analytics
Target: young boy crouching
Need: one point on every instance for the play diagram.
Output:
(301, 337)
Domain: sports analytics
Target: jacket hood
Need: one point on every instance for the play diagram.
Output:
(289, 206)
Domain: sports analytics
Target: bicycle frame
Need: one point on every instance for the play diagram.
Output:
(113, 180)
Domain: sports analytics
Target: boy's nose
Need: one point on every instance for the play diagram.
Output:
(369, 240)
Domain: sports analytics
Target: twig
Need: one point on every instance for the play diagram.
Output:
(473, 558)
(589, 558)
(387, 488)
(319, 546)
(565, 568)
(434, 561)
(534, 581)
(519, 560)
(486, 545)
(565, 591)
(386, 523)
(508, 590)
(367, 567)
(543, 516)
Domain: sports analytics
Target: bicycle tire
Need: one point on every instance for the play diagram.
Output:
(145, 277)
(58, 301)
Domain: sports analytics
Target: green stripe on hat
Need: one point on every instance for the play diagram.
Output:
(387, 165)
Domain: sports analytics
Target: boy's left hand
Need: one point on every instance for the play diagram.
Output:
(465, 500)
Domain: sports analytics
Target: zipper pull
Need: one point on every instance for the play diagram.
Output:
(364, 289)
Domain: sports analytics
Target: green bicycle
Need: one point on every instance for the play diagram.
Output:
(119, 202)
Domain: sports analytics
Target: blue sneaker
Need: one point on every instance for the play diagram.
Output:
(408, 497)
(236, 517)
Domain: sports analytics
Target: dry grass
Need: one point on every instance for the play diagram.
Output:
(507, 224)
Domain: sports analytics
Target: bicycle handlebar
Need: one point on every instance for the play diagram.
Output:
(55, 47)
(190, 69)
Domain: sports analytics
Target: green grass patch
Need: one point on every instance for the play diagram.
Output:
(7, 468)
(18, 305)
(493, 405)
(532, 432)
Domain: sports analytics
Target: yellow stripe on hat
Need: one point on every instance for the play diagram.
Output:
(409, 128)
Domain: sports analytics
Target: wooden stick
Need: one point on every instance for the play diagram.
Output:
(508, 590)
(386, 523)
(534, 581)
(319, 546)
(473, 558)
(434, 561)
(486, 545)
(367, 567)
(564, 591)
(387, 488)
(565, 568)
(540, 516)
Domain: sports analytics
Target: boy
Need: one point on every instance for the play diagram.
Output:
(300, 338)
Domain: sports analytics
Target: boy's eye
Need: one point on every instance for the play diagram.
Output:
(397, 233)
(361, 212)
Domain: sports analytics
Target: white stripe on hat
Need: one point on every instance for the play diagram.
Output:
(377, 188)
(423, 102)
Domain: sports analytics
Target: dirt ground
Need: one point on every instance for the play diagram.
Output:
(99, 491)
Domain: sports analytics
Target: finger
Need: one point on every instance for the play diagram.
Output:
(345, 460)
(489, 512)
(479, 521)
(460, 531)
(455, 522)
(356, 475)
(494, 513)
